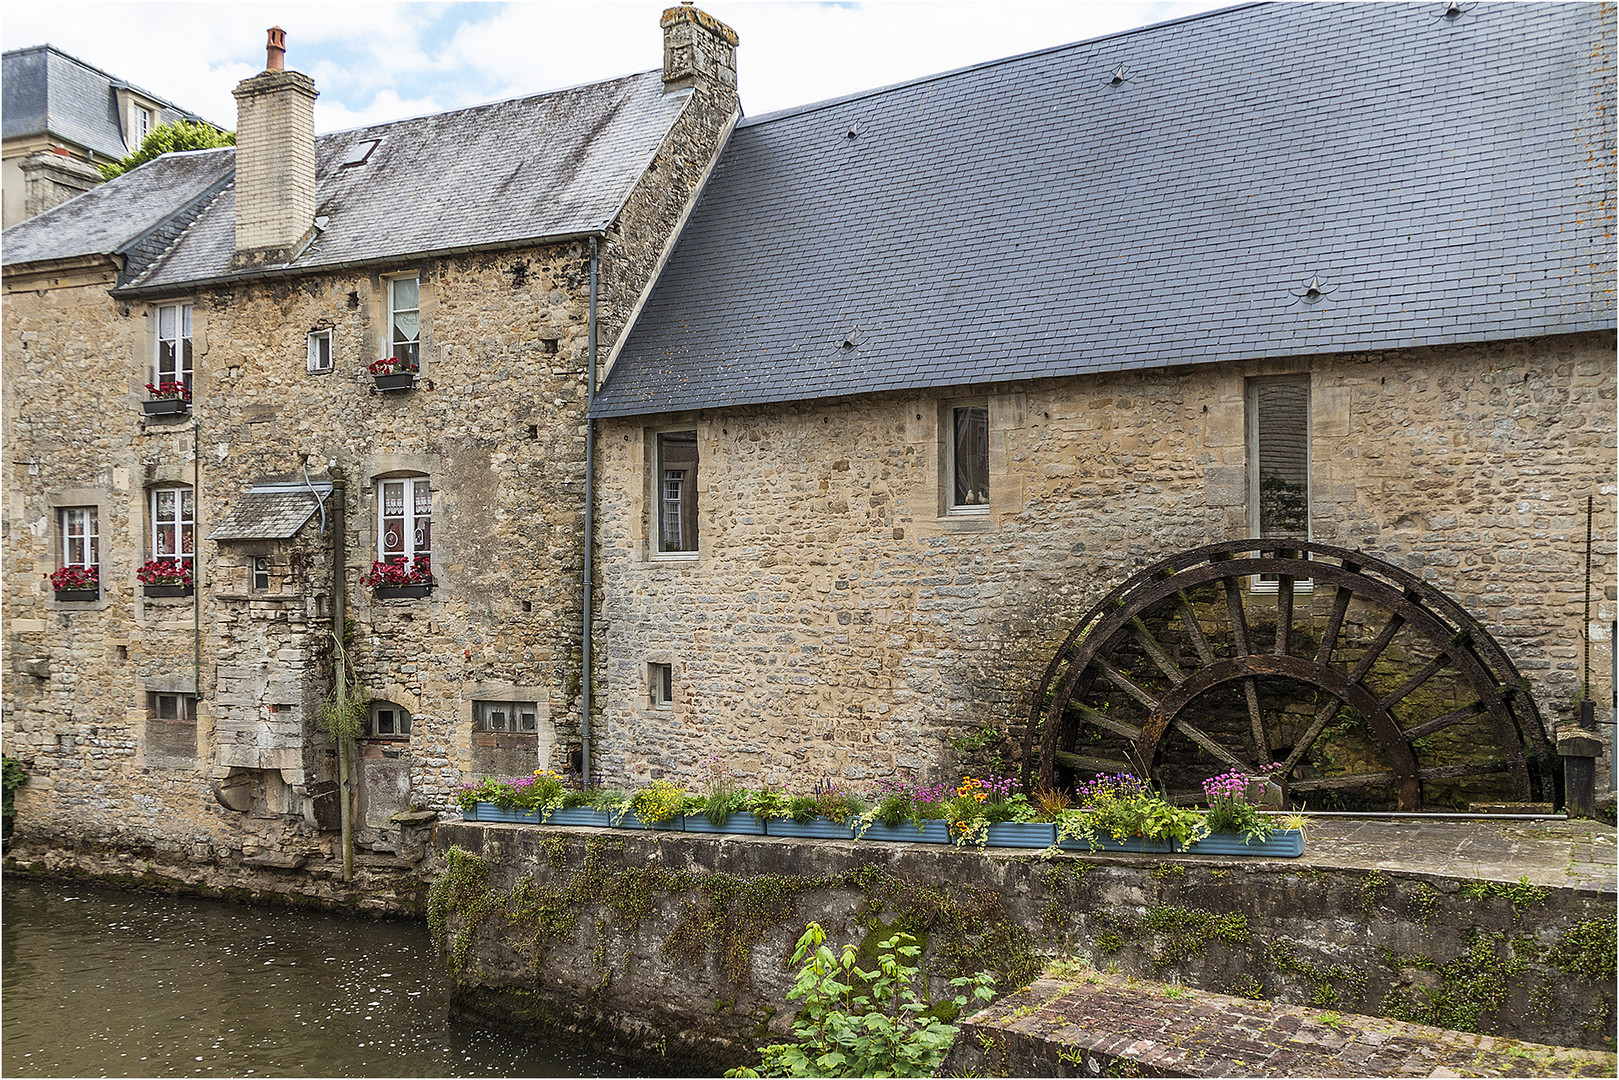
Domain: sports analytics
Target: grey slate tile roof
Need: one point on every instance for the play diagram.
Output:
(547, 166)
(118, 216)
(269, 512)
(44, 90)
(1026, 218)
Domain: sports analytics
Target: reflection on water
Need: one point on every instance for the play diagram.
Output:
(104, 983)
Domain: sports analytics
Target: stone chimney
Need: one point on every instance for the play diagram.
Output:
(275, 160)
(698, 49)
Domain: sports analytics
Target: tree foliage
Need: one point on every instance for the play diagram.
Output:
(864, 1023)
(167, 138)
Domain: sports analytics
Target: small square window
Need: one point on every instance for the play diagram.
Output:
(520, 717)
(388, 721)
(661, 685)
(320, 352)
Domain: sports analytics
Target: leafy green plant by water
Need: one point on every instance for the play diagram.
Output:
(856, 1022)
(1121, 807)
(15, 776)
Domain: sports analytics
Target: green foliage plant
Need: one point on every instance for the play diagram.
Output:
(1122, 807)
(543, 792)
(722, 794)
(894, 801)
(769, 803)
(15, 775)
(167, 139)
(856, 1022)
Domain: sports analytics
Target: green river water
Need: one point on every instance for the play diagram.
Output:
(107, 983)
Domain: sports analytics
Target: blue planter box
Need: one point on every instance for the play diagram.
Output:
(1024, 834)
(744, 824)
(632, 820)
(820, 829)
(488, 811)
(587, 816)
(1138, 844)
(931, 832)
(1282, 844)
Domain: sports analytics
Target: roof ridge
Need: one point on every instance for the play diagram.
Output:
(799, 110)
(487, 104)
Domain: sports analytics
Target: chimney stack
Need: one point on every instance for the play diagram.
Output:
(275, 160)
(698, 50)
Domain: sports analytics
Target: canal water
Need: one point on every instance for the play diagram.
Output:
(106, 983)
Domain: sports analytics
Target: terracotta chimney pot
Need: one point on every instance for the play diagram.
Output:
(276, 51)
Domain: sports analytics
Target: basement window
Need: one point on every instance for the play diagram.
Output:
(387, 721)
(520, 717)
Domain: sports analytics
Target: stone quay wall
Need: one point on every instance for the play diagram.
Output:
(496, 423)
(677, 946)
(837, 620)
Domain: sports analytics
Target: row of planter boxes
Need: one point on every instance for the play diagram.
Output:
(1287, 843)
(179, 406)
(381, 592)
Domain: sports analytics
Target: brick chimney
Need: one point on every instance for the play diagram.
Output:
(275, 160)
(697, 49)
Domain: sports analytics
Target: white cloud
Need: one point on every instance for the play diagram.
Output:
(376, 61)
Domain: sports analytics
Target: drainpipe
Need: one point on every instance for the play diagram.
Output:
(196, 561)
(590, 526)
(340, 667)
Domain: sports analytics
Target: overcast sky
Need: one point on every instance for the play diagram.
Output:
(384, 61)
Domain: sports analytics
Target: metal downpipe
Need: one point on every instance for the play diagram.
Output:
(590, 527)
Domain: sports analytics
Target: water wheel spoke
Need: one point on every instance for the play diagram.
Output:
(1236, 616)
(1438, 723)
(1256, 721)
(1375, 649)
(1210, 745)
(1323, 717)
(1122, 681)
(1165, 662)
(1335, 623)
(1193, 630)
(1284, 613)
(1429, 670)
(1106, 722)
(1091, 764)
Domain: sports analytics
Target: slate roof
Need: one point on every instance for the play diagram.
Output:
(536, 168)
(43, 90)
(270, 512)
(1442, 180)
(115, 217)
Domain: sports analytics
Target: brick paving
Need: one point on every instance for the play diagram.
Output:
(1097, 1024)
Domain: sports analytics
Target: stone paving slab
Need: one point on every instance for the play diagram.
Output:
(1097, 1024)
(1558, 854)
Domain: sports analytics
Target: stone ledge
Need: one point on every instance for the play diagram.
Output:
(1117, 1026)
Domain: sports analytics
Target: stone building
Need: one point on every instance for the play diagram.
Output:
(376, 344)
(60, 118)
(935, 367)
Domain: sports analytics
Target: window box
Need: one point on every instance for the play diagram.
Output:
(629, 819)
(931, 832)
(166, 590)
(1140, 844)
(173, 406)
(399, 380)
(401, 592)
(488, 811)
(822, 828)
(78, 596)
(587, 816)
(1281, 844)
(743, 824)
(1021, 834)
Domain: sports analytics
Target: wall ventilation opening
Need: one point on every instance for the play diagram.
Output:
(548, 346)
(1119, 77)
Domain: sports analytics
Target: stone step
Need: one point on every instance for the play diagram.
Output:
(1094, 1024)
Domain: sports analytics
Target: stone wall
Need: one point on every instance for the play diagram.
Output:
(837, 620)
(496, 422)
(678, 945)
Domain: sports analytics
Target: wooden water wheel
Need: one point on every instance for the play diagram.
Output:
(1359, 678)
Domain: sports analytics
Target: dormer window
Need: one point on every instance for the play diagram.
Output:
(141, 122)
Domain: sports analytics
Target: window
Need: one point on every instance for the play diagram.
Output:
(407, 518)
(660, 679)
(404, 319)
(140, 125)
(320, 351)
(261, 574)
(173, 360)
(1279, 457)
(173, 516)
(388, 721)
(968, 466)
(512, 717)
(677, 491)
(81, 542)
(177, 707)
(171, 726)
